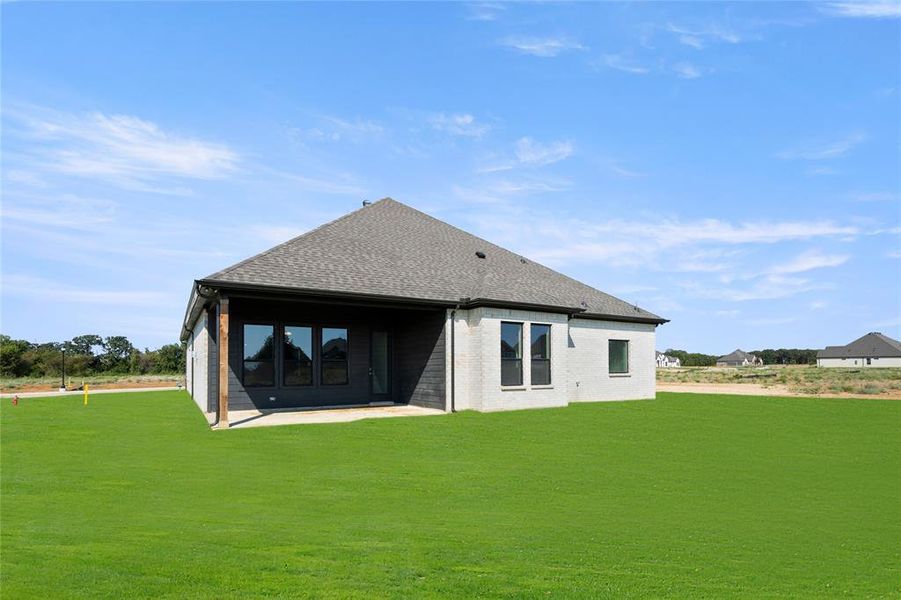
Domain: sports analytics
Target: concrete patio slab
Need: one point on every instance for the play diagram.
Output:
(239, 419)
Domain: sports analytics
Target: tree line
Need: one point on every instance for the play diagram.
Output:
(782, 356)
(87, 355)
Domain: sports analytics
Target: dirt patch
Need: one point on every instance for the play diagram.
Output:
(107, 385)
(754, 389)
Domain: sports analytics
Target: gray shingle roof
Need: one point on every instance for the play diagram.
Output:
(737, 356)
(872, 345)
(389, 249)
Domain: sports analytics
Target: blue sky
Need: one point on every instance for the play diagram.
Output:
(732, 167)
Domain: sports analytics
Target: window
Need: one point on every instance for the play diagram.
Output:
(334, 356)
(259, 363)
(511, 353)
(541, 354)
(297, 355)
(619, 356)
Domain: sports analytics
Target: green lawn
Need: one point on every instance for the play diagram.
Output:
(688, 496)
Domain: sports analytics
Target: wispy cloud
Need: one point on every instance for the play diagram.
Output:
(484, 11)
(686, 70)
(876, 197)
(823, 150)
(120, 148)
(464, 125)
(885, 9)
(336, 129)
(37, 287)
(545, 47)
(807, 262)
(697, 36)
(533, 153)
(620, 63)
(503, 191)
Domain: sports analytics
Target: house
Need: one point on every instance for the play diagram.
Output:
(666, 361)
(389, 305)
(872, 350)
(738, 358)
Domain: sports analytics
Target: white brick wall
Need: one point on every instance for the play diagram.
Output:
(859, 362)
(589, 379)
(196, 380)
(477, 361)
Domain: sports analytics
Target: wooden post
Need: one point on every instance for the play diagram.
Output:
(223, 364)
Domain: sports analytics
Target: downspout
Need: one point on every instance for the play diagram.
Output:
(452, 357)
(453, 353)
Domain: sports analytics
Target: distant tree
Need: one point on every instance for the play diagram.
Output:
(170, 359)
(117, 351)
(13, 360)
(692, 359)
(84, 344)
(787, 356)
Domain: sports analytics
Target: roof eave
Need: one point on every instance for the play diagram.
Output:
(622, 318)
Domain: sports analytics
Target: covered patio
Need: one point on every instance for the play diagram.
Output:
(242, 419)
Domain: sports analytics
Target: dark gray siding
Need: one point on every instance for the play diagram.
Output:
(417, 369)
(420, 357)
(213, 361)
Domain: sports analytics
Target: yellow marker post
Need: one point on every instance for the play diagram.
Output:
(85, 394)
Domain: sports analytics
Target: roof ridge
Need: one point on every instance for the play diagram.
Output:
(231, 268)
(501, 248)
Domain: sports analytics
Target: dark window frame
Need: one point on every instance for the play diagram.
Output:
(322, 361)
(282, 360)
(546, 359)
(610, 371)
(519, 360)
(274, 360)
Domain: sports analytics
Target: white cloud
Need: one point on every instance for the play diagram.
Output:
(686, 70)
(713, 32)
(502, 192)
(36, 287)
(459, 124)
(122, 147)
(876, 197)
(809, 261)
(336, 129)
(485, 11)
(886, 9)
(533, 153)
(618, 62)
(823, 150)
(692, 40)
(771, 287)
(545, 47)
(817, 305)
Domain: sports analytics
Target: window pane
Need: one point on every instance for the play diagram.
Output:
(511, 340)
(334, 372)
(297, 355)
(619, 356)
(541, 337)
(541, 371)
(334, 343)
(511, 371)
(258, 373)
(258, 342)
(298, 343)
(334, 355)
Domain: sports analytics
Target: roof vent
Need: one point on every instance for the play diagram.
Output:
(366, 202)
(480, 254)
(522, 260)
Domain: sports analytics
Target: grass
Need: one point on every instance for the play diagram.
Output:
(686, 496)
(800, 379)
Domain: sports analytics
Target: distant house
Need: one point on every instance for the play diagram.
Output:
(739, 358)
(665, 361)
(872, 350)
